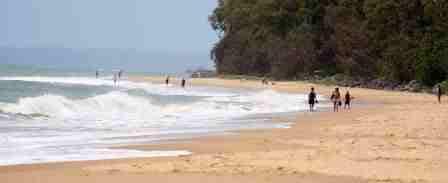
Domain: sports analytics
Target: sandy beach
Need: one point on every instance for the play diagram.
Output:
(394, 137)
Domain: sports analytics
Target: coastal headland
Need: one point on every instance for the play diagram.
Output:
(394, 137)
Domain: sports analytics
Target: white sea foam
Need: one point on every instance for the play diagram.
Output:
(61, 80)
(151, 88)
(80, 154)
(83, 128)
(116, 106)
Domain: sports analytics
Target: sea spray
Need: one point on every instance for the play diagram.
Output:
(78, 118)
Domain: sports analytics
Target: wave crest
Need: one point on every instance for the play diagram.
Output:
(111, 105)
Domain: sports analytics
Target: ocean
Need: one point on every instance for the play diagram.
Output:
(55, 116)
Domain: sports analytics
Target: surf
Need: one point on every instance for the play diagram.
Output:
(61, 116)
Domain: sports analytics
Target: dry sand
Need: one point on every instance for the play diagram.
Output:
(398, 138)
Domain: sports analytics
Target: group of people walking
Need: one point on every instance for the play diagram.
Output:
(335, 98)
(337, 101)
(183, 82)
(116, 77)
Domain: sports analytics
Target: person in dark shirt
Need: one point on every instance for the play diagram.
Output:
(183, 83)
(347, 100)
(439, 93)
(167, 80)
(312, 99)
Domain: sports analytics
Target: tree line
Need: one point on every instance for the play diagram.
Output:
(396, 40)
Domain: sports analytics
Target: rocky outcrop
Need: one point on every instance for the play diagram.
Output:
(412, 86)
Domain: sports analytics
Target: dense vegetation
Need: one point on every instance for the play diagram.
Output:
(396, 40)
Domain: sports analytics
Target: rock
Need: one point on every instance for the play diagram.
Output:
(401, 87)
(355, 84)
(413, 86)
(434, 89)
(443, 85)
(390, 85)
(376, 84)
(389, 88)
(317, 77)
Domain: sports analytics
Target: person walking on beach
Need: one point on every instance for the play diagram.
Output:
(439, 93)
(120, 73)
(336, 99)
(312, 99)
(183, 83)
(348, 100)
(115, 79)
(167, 80)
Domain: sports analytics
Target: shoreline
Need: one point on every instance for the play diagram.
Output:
(396, 137)
(277, 120)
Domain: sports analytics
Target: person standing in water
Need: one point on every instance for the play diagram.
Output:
(348, 100)
(312, 99)
(183, 83)
(439, 93)
(97, 74)
(336, 98)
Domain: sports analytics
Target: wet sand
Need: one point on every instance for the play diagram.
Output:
(398, 138)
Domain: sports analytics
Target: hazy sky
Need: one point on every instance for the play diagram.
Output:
(176, 26)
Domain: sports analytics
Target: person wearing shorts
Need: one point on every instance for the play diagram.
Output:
(312, 99)
(347, 100)
(336, 99)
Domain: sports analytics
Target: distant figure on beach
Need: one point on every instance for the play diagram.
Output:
(439, 93)
(97, 74)
(348, 100)
(115, 79)
(312, 99)
(183, 83)
(264, 81)
(120, 73)
(336, 99)
(167, 80)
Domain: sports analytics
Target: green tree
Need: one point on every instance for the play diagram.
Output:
(432, 67)
(399, 40)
